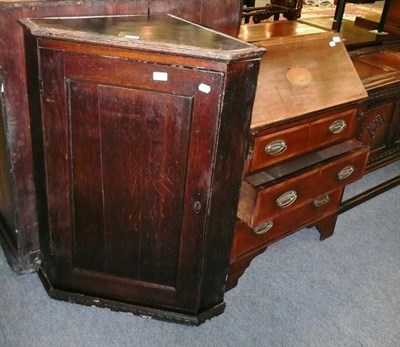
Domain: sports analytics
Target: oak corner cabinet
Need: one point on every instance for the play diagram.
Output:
(18, 215)
(139, 143)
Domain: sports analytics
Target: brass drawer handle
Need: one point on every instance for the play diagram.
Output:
(337, 126)
(345, 172)
(276, 147)
(286, 199)
(263, 228)
(323, 200)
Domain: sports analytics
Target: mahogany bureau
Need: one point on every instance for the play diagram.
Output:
(139, 127)
(302, 148)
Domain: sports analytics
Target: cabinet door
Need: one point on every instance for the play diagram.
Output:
(128, 152)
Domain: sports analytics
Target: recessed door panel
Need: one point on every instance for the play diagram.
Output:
(129, 149)
(134, 164)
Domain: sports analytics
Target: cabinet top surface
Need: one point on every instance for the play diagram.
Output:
(23, 3)
(19, 1)
(279, 30)
(155, 32)
(378, 66)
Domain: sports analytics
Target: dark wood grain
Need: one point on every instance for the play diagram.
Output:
(85, 151)
(18, 208)
(379, 122)
(393, 13)
(147, 169)
(7, 220)
(378, 125)
(150, 128)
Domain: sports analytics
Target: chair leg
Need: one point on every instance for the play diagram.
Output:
(338, 17)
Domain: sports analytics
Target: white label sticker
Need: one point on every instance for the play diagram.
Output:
(132, 37)
(336, 39)
(160, 76)
(332, 43)
(204, 88)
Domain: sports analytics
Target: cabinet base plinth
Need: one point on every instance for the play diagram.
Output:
(143, 311)
(20, 263)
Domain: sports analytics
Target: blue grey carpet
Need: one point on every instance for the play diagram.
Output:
(344, 291)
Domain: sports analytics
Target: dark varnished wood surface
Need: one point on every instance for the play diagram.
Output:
(377, 66)
(162, 33)
(18, 209)
(354, 33)
(224, 16)
(393, 14)
(96, 175)
(128, 218)
(7, 239)
(379, 123)
(281, 30)
(23, 220)
(140, 176)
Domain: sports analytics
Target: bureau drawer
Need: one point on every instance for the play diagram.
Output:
(285, 144)
(269, 193)
(247, 240)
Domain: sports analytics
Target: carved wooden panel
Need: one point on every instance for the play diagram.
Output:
(379, 123)
(376, 124)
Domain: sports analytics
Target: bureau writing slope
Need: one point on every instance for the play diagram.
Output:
(139, 144)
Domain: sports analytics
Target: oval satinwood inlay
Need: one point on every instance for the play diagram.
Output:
(299, 75)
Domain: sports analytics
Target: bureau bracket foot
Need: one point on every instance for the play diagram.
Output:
(238, 266)
(326, 226)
